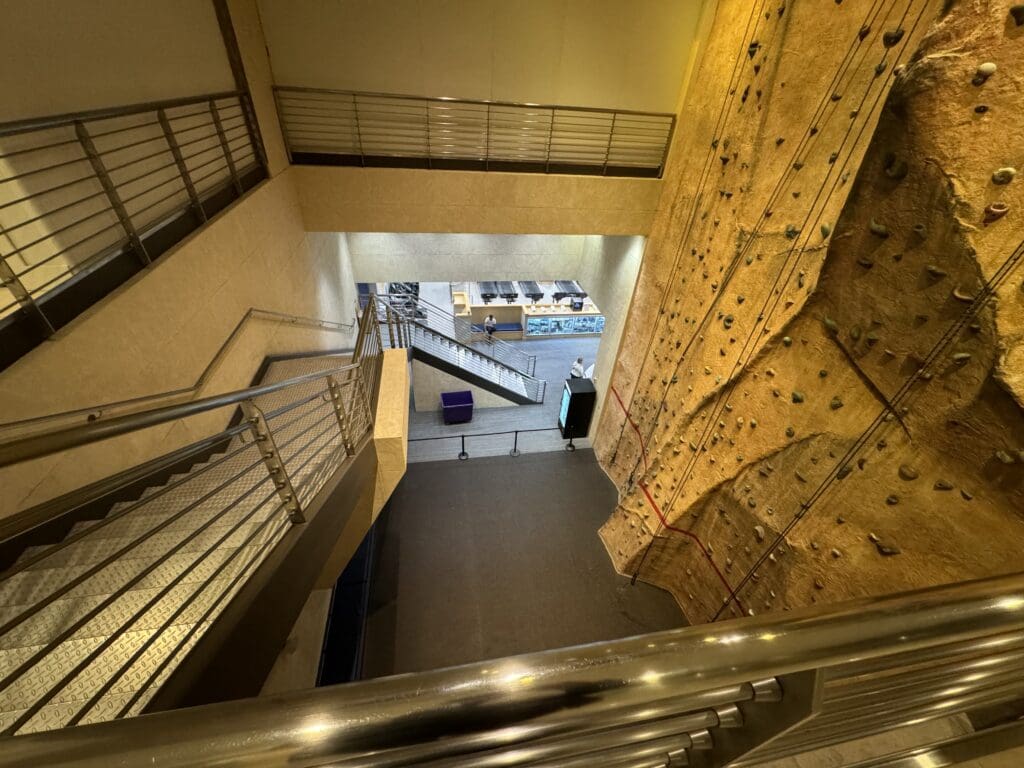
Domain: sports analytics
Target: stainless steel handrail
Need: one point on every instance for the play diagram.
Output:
(94, 412)
(34, 446)
(516, 701)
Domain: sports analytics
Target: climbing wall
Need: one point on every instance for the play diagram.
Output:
(820, 391)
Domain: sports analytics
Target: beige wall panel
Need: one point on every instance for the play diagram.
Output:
(599, 53)
(410, 200)
(70, 56)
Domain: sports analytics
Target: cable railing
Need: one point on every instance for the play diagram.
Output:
(92, 624)
(87, 199)
(324, 126)
(739, 692)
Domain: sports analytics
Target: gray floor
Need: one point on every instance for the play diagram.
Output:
(554, 359)
(497, 556)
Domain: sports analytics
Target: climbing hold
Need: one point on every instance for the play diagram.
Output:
(864, 32)
(826, 230)
(907, 472)
(778, 141)
(740, 299)
(798, 396)
(893, 36)
(787, 341)
(753, 48)
(880, 67)
(1004, 457)
(727, 321)
(831, 325)
(921, 230)
(1017, 12)
(818, 583)
(961, 357)
(879, 230)
(887, 550)
(935, 271)
(995, 211)
(865, 262)
(791, 231)
(855, 333)
(983, 73)
(1004, 175)
(965, 495)
(844, 470)
(836, 554)
(981, 109)
(822, 373)
(895, 168)
(961, 296)
(790, 432)
(942, 485)
(836, 403)
(892, 500)
(759, 532)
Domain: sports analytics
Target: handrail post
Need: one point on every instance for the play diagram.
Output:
(339, 412)
(608, 149)
(263, 438)
(21, 294)
(179, 161)
(108, 186)
(222, 137)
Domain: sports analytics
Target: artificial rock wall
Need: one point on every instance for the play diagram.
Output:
(823, 369)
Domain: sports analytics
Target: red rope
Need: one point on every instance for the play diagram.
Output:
(661, 517)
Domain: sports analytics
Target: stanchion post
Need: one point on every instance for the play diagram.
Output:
(515, 445)
(462, 454)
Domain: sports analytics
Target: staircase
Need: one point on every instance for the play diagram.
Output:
(94, 623)
(451, 344)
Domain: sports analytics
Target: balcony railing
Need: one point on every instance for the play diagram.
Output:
(375, 129)
(88, 199)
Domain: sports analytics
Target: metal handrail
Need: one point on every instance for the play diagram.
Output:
(94, 412)
(44, 444)
(118, 202)
(365, 127)
(165, 555)
(498, 349)
(502, 708)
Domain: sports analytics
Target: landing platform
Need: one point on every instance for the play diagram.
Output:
(498, 556)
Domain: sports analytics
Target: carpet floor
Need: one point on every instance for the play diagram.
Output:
(498, 556)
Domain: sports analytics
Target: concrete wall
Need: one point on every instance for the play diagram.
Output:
(381, 257)
(601, 53)
(608, 272)
(412, 200)
(160, 330)
(69, 56)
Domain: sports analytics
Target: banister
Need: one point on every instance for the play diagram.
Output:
(34, 446)
(54, 121)
(95, 411)
(404, 719)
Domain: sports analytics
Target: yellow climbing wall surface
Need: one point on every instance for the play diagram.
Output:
(822, 375)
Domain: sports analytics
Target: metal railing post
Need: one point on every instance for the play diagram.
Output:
(264, 440)
(487, 150)
(339, 411)
(108, 186)
(21, 294)
(608, 149)
(179, 161)
(222, 137)
(359, 130)
(551, 135)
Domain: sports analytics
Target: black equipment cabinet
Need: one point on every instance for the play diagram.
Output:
(576, 408)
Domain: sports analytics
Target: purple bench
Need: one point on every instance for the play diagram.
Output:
(457, 407)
